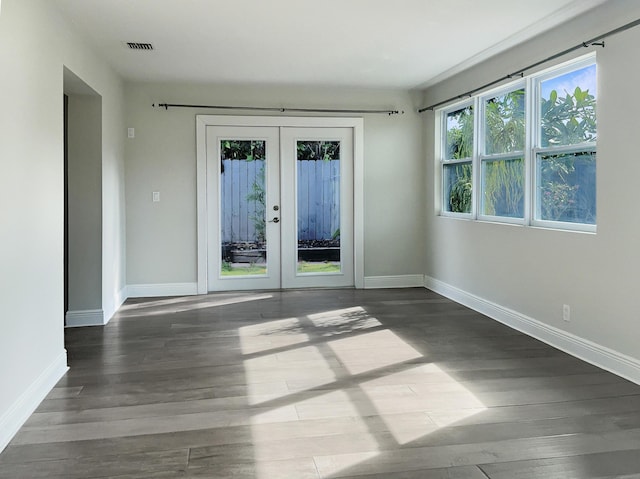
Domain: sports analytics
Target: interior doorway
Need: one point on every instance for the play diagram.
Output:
(65, 108)
(82, 203)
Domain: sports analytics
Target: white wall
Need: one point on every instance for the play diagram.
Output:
(161, 237)
(533, 272)
(85, 202)
(34, 45)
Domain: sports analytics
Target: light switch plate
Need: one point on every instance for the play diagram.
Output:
(156, 196)
(131, 132)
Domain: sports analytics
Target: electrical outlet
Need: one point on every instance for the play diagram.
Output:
(566, 312)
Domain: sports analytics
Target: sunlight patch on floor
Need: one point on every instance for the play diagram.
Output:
(416, 391)
(444, 418)
(264, 337)
(278, 414)
(370, 351)
(288, 367)
(340, 368)
(330, 466)
(343, 321)
(162, 307)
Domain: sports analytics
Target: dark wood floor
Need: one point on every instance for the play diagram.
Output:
(393, 384)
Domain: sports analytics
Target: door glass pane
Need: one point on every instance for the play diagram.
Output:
(318, 198)
(242, 208)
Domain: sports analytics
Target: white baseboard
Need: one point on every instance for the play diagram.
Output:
(600, 356)
(401, 281)
(121, 298)
(90, 317)
(13, 419)
(118, 300)
(164, 289)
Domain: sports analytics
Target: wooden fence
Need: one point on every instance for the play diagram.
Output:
(318, 200)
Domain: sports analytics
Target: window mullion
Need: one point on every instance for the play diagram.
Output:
(531, 120)
(455, 164)
(478, 147)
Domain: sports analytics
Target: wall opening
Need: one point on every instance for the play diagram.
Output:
(83, 203)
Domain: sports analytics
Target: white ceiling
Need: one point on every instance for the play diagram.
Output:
(364, 43)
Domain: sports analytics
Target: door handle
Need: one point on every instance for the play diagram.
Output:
(275, 220)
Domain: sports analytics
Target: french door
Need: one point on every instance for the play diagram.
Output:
(279, 208)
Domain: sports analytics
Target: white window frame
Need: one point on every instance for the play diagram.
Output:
(445, 161)
(484, 158)
(532, 86)
(537, 149)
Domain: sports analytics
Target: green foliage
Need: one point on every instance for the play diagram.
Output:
(566, 194)
(461, 192)
(460, 134)
(505, 123)
(568, 120)
(567, 182)
(567, 187)
(504, 133)
(243, 150)
(504, 188)
(459, 146)
(318, 150)
(259, 196)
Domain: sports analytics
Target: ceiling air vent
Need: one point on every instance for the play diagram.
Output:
(139, 46)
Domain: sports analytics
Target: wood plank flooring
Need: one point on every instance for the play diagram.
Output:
(386, 384)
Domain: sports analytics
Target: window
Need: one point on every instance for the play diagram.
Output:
(525, 153)
(502, 158)
(565, 157)
(457, 166)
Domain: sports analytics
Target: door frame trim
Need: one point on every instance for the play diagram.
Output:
(357, 124)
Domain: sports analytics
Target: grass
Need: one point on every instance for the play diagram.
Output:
(252, 270)
(325, 267)
(260, 270)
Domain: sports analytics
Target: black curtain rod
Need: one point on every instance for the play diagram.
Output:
(166, 106)
(596, 41)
